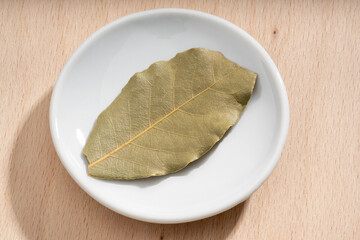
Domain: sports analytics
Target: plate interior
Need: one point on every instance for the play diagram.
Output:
(95, 76)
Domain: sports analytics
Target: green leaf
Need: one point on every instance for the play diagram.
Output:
(168, 116)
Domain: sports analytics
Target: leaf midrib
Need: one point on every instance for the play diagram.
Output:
(157, 122)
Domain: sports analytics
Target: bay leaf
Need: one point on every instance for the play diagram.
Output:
(169, 115)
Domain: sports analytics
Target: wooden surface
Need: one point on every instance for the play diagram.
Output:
(314, 192)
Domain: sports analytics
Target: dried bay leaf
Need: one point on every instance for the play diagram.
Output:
(168, 116)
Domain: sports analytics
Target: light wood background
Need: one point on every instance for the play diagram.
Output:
(314, 192)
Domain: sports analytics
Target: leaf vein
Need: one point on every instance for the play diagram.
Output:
(221, 92)
(176, 133)
(173, 89)
(132, 162)
(129, 114)
(194, 114)
(157, 150)
(149, 107)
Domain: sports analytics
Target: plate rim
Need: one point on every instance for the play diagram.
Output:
(283, 109)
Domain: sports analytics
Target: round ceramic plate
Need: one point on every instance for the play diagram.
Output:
(224, 177)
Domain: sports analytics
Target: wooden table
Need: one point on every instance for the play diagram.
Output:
(314, 192)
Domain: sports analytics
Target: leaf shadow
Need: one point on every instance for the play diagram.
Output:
(257, 90)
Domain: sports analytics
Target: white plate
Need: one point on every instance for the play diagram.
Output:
(226, 176)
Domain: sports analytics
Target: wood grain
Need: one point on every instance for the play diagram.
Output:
(314, 192)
